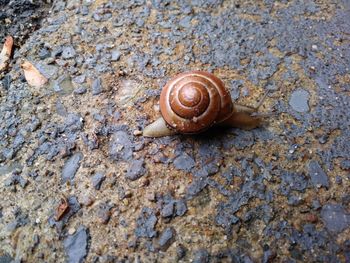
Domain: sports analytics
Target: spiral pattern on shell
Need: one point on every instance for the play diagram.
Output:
(193, 101)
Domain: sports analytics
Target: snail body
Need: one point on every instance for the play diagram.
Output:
(193, 101)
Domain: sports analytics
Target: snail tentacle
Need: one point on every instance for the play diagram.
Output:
(245, 117)
(158, 129)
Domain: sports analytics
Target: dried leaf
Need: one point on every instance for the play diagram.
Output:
(32, 75)
(62, 209)
(6, 53)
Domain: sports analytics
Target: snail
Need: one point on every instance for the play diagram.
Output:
(193, 101)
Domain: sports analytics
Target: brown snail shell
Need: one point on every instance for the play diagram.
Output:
(193, 101)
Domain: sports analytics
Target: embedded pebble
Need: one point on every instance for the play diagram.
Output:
(115, 55)
(79, 79)
(80, 90)
(96, 87)
(167, 210)
(180, 207)
(166, 238)
(146, 223)
(120, 146)
(104, 212)
(184, 162)
(318, 177)
(60, 109)
(335, 217)
(201, 256)
(20, 219)
(6, 258)
(76, 245)
(180, 252)
(97, 180)
(136, 170)
(49, 71)
(16, 178)
(70, 167)
(68, 52)
(6, 81)
(86, 200)
(299, 100)
(63, 85)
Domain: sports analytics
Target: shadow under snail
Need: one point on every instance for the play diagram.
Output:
(193, 101)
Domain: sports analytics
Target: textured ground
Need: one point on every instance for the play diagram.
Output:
(279, 193)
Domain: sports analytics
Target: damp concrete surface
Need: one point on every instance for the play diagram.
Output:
(79, 182)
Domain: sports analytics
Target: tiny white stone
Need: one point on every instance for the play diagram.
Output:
(71, 231)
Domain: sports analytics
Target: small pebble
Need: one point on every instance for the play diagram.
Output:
(167, 210)
(180, 252)
(201, 256)
(136, 170)
(318, 177)
(96, 87)
(71, 231)
(97, 180)
(338, 180)
(166, 238)
(151, 196)
(335, 217)
(68, 52)
(115, 55)
(310, 217)
(76, 245)
(87, 200)
(299, 100)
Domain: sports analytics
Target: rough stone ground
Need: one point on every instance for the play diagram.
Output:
(279, 193)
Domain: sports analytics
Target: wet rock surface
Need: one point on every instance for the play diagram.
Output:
(277, 193)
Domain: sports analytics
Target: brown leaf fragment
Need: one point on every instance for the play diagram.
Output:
(62, 209)
(32, 75)
(6, 53)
